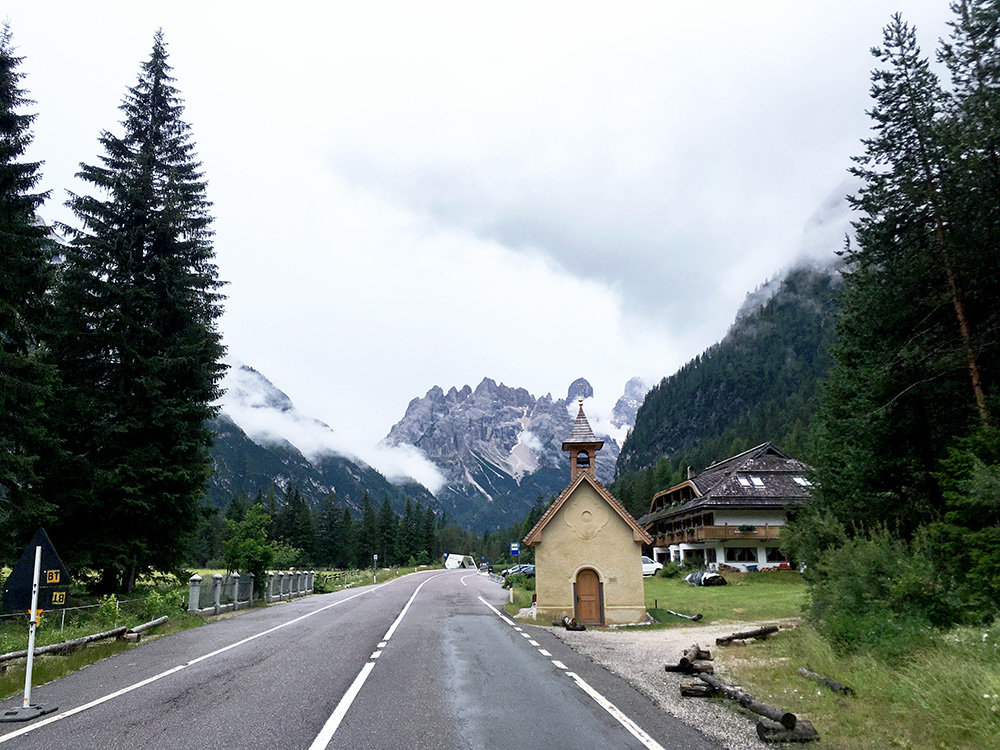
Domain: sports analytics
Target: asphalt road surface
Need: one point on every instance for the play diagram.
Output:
(426, 661)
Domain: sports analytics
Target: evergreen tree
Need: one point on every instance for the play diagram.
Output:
(347, 553)
(26, 383)
(367, 538)
(387, 531)
(136, 341)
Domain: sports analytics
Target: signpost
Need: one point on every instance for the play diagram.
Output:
(374, 568)
(515, 549)
(38, 578)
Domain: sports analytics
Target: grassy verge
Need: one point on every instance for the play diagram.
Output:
(946, 695)
(747, 597)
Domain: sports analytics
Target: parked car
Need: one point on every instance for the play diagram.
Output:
(527, 571)
(514, 569)
(650, 567)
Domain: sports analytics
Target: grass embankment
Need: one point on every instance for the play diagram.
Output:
(944, 694)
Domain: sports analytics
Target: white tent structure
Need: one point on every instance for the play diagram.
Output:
(454, 562)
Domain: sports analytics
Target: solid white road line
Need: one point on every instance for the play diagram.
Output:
(616, 712)
(104, 699)
(634, 729)
(325, 735)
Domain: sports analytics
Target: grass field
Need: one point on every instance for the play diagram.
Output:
(746, 597)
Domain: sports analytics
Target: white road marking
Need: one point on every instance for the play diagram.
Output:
(325, 735)
(533, 642)
(634, 729)
(110, 696)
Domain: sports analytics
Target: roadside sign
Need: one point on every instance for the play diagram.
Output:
(52, 584)
(375, 558)
(515, 549)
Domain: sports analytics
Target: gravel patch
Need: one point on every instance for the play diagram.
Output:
(637, 655)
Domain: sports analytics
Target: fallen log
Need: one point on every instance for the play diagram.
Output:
(693, 654)
(697, 690)
(66, 646)
(785, 718)
(695, 668)
(694, 617)
(832, 684)
(135, 634)
(770, 731)
(761, 633)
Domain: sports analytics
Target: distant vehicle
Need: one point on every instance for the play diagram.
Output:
(527, 570)
(650, 567)
(515, 569)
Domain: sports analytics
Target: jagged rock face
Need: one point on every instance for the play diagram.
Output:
(499, 447)
(623, 415)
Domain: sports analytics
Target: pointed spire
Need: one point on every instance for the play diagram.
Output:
(582, 445)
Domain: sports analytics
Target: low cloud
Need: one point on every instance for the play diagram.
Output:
(269, 417)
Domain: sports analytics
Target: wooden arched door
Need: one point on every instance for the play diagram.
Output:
(589, 598)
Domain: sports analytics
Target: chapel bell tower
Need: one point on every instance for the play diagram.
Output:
(582, 445)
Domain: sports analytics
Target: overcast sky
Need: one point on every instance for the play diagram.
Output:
(413, 194)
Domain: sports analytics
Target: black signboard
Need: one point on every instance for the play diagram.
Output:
(53, 582)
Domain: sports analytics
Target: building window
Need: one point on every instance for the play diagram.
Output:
(744, 482)
(583, 458)
(802, 481)
(757, 481)
(741, 554)
(775, 555)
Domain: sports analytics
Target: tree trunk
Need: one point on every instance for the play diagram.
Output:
(761, 633)
(834, 686)
(787, 719)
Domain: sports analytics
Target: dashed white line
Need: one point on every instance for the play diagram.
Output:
(330, 727)
(533, 642)
(543, 652)
(559, 664)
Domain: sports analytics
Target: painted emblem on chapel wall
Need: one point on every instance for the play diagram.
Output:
(587, 517)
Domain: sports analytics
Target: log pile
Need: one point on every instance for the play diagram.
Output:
(692, 661)
(776, 725)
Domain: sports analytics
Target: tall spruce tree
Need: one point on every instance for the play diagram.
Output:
(26, 383)
(136, 340)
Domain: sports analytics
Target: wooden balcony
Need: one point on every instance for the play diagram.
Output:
(717, 533)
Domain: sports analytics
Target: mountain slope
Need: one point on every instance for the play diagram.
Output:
(247, 464)
(760, 383)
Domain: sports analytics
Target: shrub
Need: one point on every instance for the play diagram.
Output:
(671, 570)
(878, 592)
(520, 581)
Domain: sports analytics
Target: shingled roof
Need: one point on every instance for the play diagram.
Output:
(762, 477)
(582, 433)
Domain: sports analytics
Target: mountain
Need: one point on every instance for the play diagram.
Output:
(759, 384)
(250, 454)
(499, 448)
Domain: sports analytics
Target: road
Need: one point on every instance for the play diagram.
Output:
(426, 661)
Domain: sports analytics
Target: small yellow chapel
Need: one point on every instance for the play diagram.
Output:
(588, 548)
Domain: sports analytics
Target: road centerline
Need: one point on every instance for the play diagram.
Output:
(325, 735)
